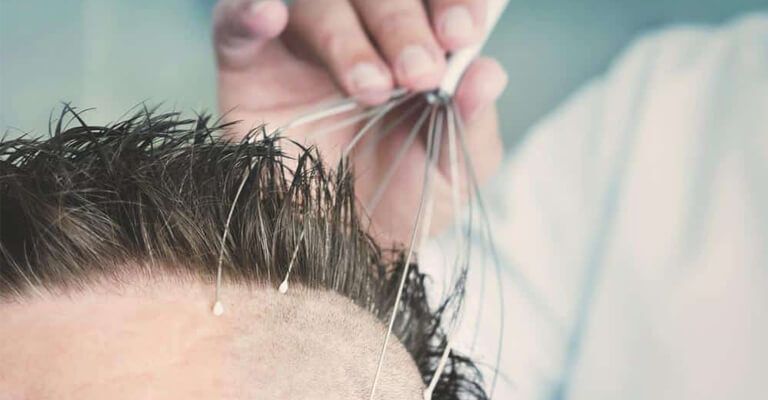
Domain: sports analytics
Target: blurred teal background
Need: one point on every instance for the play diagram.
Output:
(114, 54)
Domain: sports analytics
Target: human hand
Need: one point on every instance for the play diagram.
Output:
(276, 62)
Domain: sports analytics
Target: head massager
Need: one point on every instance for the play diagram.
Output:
(442, 122)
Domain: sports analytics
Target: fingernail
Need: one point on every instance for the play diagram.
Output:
(415, 61)
(456, 24)
(367, 77)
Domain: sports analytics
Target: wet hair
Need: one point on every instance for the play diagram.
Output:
(153, 192)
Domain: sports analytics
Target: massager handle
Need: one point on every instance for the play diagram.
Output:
(460, 60)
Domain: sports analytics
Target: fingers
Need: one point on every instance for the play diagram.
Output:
(412, 44)
(457, 23)
(333, 33)
(403, 33)
(242, 27)
(369, 46)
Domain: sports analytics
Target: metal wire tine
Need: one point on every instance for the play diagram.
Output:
(455, 183)
(378, 195)
(338, 107)
(428, 212)
(344, 123)
(379, 115)
(454, 175)
(455, 119)
(386, 129)
(406, 268)
(218, 307)
(453, 159)
(434, 139)
(439, 370)
(488, 233)
(451, 145)
(483, 279)
(283, 288)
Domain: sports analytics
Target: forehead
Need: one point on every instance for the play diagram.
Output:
(163, 343)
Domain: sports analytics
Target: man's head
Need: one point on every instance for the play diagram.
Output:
(109, 244)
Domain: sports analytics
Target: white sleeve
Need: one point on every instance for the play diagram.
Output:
(631, 227)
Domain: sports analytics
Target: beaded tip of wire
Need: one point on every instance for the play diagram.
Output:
(283, 288)
(218, 309)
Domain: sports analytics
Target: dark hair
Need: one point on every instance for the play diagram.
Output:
(154, 192)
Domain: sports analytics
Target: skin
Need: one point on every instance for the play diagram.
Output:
(276, 62)
(159, 340)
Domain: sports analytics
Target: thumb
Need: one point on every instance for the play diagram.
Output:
(479, 89)
(241, 28)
